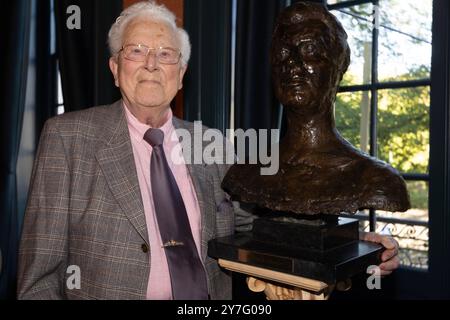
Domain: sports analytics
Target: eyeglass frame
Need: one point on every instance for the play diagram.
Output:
(140, 45)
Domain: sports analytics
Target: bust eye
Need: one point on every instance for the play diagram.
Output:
(309, 49)
(283, 54)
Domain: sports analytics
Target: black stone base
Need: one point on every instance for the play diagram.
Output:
(321, 233)
(328, 251)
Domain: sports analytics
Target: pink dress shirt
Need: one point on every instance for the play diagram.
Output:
(159, 286)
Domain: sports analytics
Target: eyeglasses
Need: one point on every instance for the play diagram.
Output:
(139, 53)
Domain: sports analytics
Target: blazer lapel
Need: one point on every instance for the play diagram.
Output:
(203, 188)
(116, 160)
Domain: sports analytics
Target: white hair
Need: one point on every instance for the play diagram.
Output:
(151, 11)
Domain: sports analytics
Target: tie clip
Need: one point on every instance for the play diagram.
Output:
(172, 243)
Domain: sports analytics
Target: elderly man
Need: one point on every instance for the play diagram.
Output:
(110, 214)
(104, 195)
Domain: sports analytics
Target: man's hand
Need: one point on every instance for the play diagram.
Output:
(389, 257)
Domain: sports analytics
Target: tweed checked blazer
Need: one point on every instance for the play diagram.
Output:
(85, 210)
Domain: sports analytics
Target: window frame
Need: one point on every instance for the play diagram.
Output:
(434, 281)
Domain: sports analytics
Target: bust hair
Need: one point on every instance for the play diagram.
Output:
(305, 11)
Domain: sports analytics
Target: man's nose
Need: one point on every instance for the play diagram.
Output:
(151, 61)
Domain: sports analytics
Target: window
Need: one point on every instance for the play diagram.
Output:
(60, 105)
(383, 106)
(60, 100)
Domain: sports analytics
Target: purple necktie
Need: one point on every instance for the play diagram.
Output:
(187, 274)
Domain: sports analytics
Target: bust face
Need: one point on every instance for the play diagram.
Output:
(305, 61)
(317, 166)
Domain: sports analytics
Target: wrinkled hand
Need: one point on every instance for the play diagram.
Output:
(389, 257)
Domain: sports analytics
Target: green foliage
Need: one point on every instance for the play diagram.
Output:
(418, 193)
(402, 127)
(348, 116)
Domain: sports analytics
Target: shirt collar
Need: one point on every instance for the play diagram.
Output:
(138, 129)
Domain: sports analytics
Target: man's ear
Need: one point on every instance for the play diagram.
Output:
(181, 75)
(114, 67)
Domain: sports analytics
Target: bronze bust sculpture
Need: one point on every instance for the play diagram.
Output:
(319, 171)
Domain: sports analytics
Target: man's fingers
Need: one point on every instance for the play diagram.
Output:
(390, 265)
(370, 236)
(388, 254)
(386, 241)
(389, 242)
(385, 273)
(389, 257)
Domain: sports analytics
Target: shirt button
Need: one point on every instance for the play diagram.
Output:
(144, 248)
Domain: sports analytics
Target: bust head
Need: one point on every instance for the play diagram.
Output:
(309, 56)
(320, 171)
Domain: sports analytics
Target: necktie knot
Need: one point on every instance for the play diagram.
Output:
(154, 137)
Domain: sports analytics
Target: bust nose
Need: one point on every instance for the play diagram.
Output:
(294, 59)
(292, 70)
(295, 70)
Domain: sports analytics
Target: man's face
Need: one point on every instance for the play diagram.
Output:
(302, 66)
(149, 83)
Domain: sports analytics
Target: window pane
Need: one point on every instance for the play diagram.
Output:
(403, 128)
(60, 108)
(60, 92)
(357, 22)
(409, 228)
(412, 235)
(404, 40)
(352, 117)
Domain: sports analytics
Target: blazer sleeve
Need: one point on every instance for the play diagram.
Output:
(42, 261)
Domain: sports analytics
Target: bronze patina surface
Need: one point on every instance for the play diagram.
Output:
(319, 171)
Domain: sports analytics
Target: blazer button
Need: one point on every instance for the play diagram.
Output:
(144, 248)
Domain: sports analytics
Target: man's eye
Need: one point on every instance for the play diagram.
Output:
(137, 51)
(165, 54)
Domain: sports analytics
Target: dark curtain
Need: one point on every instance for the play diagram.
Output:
(255, 104)
(15, 19)
(83, 53)
(208, 77)
(46, 73)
